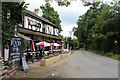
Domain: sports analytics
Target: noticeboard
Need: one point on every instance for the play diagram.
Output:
(24, 64)
(16, 49)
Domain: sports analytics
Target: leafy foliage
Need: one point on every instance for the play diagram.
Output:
(11, 17)
(50, 14)
(99, 27)
(60, 35)
(74, 43)
(60, 2)
(64, 4)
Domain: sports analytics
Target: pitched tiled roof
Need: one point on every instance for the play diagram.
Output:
(41, 18)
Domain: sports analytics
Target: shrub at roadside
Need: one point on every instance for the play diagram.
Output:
(110, 54)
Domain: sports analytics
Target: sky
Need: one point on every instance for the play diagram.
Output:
(68, 15)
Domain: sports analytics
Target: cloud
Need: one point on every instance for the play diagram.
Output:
(66, 30)
(34, 4)
(68, 15)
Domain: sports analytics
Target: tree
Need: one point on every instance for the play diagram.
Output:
(74, 43)
(50, 14)
(60, 2)
(60, 35)
(98, 28)
(11, 17)
(106, 27)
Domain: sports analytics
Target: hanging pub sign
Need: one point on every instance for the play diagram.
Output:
(16, 50)
(35, 24)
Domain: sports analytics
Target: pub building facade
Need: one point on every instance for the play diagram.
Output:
(35, 29)
(38, 29)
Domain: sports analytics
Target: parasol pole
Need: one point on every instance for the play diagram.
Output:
(51, 49)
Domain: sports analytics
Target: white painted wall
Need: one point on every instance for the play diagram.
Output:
(42, 25)
(25, 22)
(6, 54)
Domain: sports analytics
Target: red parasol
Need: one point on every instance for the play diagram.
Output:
(55, 44)
(32, 46)
(43, 44)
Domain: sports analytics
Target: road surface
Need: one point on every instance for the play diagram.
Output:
(81, 64)
(84, 64)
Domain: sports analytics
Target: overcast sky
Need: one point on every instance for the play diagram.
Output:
(68, 15)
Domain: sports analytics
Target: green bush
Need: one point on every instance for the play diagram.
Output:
(97, 52)
(102, 53)
(118, 56)
(109, 54)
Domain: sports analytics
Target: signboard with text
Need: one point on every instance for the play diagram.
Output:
(24, 64)
(16, 49)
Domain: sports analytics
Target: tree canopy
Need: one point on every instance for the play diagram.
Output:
(50, 14)
(99, 27)
(11, 17)
(60, 2)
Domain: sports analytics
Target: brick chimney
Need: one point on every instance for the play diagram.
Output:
(36, 11)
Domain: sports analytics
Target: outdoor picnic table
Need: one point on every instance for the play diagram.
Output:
(32, 56)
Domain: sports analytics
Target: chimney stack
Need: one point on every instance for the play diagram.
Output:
(36, 11)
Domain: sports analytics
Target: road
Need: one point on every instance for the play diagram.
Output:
(81, 64)
(84, 64)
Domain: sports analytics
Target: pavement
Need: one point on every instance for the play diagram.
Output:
(81, 64)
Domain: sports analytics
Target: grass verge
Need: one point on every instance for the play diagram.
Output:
(28, 76)
(32, 72)
(72, 51)
(110, 55)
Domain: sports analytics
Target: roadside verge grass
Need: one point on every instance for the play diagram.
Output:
(72, 51)
(110, 54)
(27, 76)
